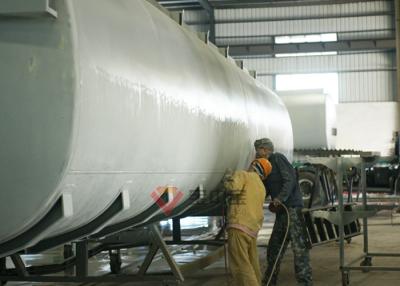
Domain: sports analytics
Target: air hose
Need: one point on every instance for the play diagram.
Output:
(280, 250)
(283, 244)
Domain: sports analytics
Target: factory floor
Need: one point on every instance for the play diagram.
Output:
(384, 237)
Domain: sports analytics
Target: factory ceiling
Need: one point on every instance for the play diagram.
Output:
(260, 49)
(219, 4)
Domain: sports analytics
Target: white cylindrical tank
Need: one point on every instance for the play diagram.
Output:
(313, 116)
(115, 97)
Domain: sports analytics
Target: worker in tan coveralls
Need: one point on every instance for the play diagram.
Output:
(245, 219)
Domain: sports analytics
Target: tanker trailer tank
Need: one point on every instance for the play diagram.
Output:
(107, 103)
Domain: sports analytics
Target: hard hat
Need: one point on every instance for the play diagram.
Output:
(262, 167)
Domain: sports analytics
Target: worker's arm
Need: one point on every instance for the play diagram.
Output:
(288, 178)
(235, 183)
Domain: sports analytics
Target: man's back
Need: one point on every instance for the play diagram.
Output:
(246, 207)
(282, 182)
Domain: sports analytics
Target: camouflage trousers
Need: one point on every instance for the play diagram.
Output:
(300, 245)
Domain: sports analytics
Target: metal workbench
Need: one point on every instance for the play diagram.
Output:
(364, 262)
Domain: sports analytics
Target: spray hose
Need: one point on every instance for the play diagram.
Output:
(283, 244)
(280, 250)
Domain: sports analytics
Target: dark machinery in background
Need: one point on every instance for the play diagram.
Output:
(383, 177)
(359, 188)
(317, 184)
(380, 178)
(319, 188)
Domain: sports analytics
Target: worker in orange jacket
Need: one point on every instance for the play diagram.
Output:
(245, 219)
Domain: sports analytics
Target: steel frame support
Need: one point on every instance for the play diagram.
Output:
(366, 258)
(21, 273)
(267, 20)
(152, 235)
(158, 240)
(397, 24)
(205, 4)
(347, 45)
(81, 264)
(82, 256)
(212, 36)
(2, 265)
(19, 265)
(153, 249)
(363, 181)
(339, 173)
(234, 4)
(176, 229)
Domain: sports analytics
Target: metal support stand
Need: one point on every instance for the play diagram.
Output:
(221, 233)
(19, 265)
(157, 243)
(2, 265)
(153, 238)
(68, 253)
(115, 261)
(176, 229)
(3, 269)
(397, 29)
(364, 204)
(112, 239)
(82, 256)
(366, 258)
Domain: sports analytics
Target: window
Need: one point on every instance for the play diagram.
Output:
(306, 54)
(326, 81)
(328, 37)
(314, 38)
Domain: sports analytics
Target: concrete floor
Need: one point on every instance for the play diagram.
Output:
(325, 260)
(384, 237)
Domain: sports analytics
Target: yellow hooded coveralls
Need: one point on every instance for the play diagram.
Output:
(245, 219)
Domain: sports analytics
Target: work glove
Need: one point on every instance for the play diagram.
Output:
(276, 202)
(275, 206)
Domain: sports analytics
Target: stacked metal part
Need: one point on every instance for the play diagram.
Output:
(105, 105)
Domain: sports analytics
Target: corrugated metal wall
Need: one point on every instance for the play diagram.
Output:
(197, 19)
(323, 11)
(354, 20)
(373, 61)
(367, 86)
(363, 77)
(307, 26)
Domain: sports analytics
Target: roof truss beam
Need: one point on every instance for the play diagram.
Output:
(339, 46)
